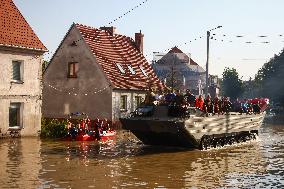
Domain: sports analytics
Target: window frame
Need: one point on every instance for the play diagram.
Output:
(138, 99)
(21, 72)
(19, 107)
(123, 105)
(143, 71)
(74, 73)
(132, 71)
(120, 68)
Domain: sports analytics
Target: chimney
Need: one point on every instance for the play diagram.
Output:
(110, 29)
(139, 41)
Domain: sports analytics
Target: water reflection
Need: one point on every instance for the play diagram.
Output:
(20, 163)
(125, 164)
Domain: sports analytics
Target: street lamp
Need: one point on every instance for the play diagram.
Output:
(207, 62)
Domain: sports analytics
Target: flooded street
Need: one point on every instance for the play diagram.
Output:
(34, 163)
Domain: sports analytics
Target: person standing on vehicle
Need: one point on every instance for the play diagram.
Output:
(190, 98)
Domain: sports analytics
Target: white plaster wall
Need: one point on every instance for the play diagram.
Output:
(31, 74)
(116, 112)
(27, 93)
(4, 119)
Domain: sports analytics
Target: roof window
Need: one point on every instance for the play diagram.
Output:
(131, 70)
(143, 71)
(119, 66)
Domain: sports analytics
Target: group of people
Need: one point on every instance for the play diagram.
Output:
(84, 126)
(164, 98)
(250, 105)
(213, 105)
(179, 103)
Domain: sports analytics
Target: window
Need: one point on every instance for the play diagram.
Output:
(123, 102)
(143, 71)
(15, 115)
(131, 69)
(72, 69)
(119, 66)
(74, 44)
(17, 70)
(138, 100)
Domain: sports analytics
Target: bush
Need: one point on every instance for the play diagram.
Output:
(53, 128)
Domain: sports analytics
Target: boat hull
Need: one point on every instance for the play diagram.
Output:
(194, 131)
(110, 135)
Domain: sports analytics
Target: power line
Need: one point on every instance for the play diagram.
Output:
(214, 37)
(118, 18)
(183, 43)
(129, 11)
(221, 38)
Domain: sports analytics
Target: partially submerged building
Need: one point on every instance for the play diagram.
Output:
(20, 74)
(177, 70)
(98, 72)
(214, 85)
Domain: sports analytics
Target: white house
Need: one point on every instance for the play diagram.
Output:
(20, 74)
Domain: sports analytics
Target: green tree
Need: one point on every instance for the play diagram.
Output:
(44, 65)
(232, 86)
(269, 79)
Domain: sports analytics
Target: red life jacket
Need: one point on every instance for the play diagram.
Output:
(199, 103)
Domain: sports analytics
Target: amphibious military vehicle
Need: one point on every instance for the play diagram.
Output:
(195, 129)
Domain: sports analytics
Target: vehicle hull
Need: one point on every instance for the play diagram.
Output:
(192, 132)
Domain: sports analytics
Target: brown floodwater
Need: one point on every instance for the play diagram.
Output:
(34, 163)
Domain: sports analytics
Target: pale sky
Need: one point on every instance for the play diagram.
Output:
(166, 23)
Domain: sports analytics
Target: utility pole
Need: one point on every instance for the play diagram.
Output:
(173, 75)
(207, 64)
(172, 78)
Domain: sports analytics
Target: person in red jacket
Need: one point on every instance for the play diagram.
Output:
(199, 102)
(216, 105)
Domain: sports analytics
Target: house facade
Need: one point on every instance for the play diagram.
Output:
(214, 85)
(21, 54)
(98, 72)
(177, 70)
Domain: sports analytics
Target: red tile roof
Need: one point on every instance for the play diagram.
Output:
(192, 62)
(177, 50)
(14, 29)
(112, 49)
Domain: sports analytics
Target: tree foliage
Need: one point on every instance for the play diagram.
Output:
(44, 65)
(232, 85)
(53, 128)
(269, 81)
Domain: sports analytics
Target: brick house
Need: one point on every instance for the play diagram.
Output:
(21, 72)
(98, 72)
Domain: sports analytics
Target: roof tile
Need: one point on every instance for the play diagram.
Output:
(112, 49)
(14, 29)
(177, 50)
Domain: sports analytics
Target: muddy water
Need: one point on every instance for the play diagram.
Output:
(33, 163)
